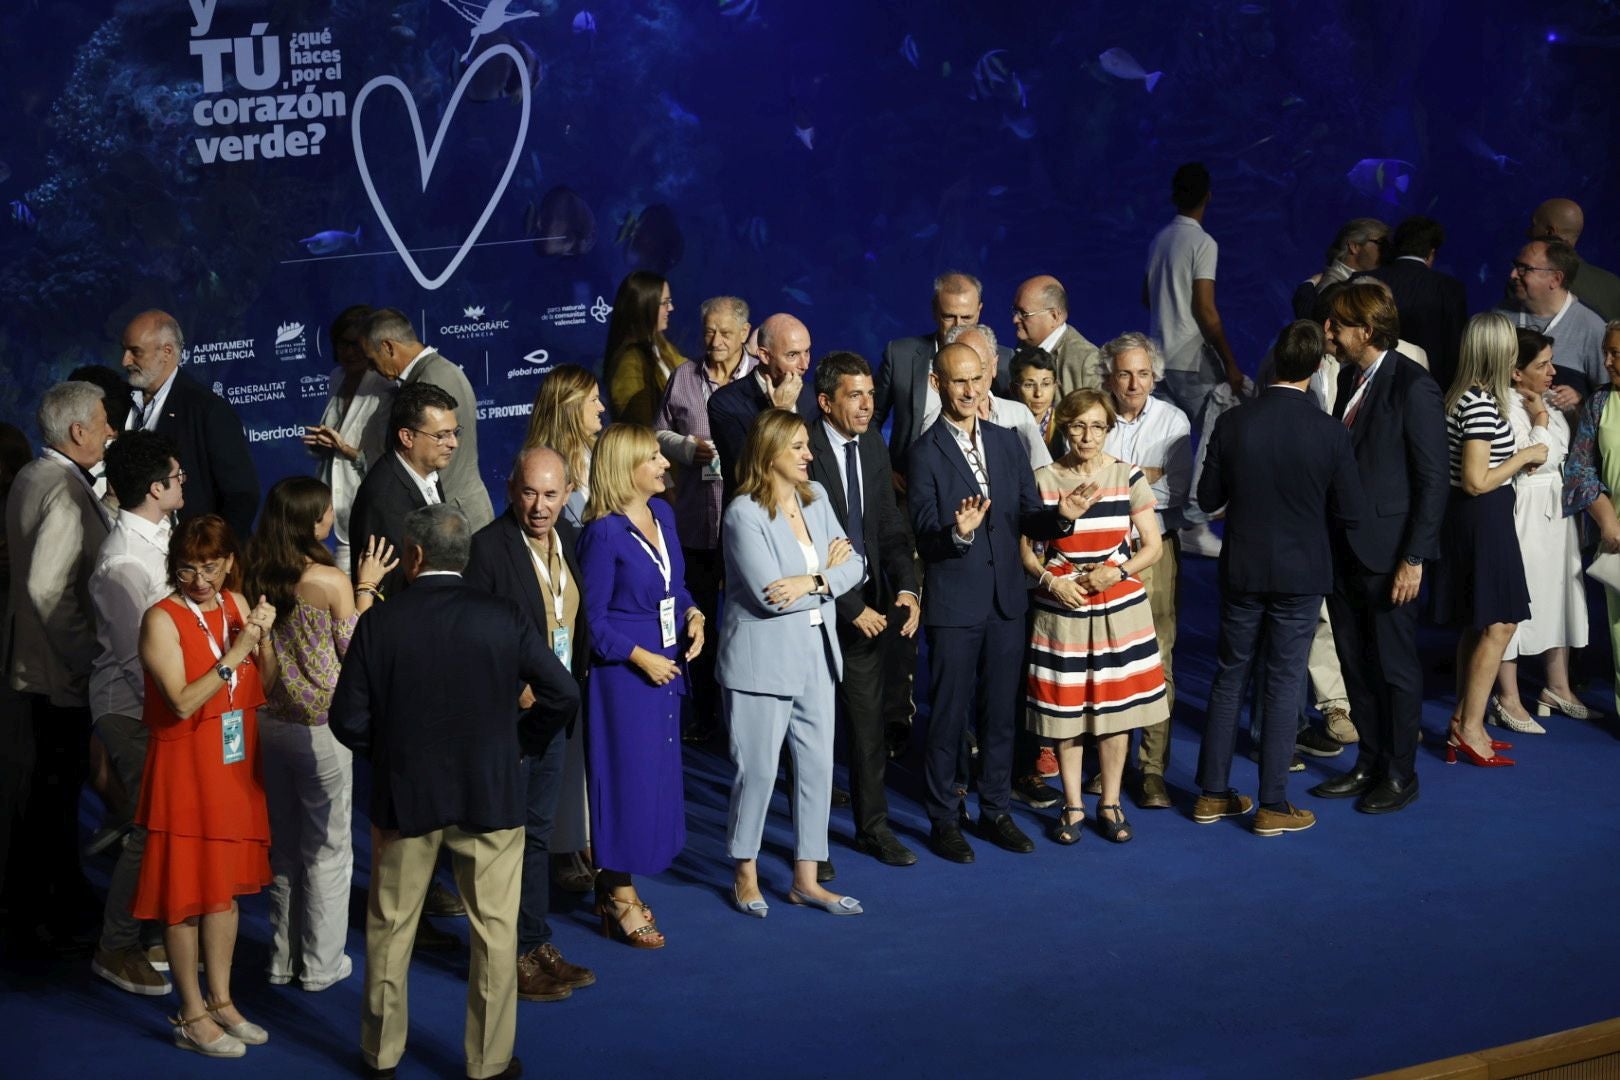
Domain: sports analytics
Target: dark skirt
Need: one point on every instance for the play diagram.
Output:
(1480, 579)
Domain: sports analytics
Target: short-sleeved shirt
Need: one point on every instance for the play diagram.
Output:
(1577, 340)
(1181, 254)
(1475, 416)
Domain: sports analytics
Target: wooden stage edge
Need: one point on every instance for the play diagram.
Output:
(1583, 1053)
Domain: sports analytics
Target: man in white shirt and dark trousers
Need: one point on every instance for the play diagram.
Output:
(143, 471)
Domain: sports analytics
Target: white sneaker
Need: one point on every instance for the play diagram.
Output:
(128, 969)
(1200, 540)
(345, 969)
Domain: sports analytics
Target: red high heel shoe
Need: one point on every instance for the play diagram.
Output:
(1496, 744)
(1456, 745)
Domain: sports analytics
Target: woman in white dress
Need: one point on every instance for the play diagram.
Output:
(1552, 554)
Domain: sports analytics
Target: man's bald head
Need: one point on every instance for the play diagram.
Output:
(784, 347)
(1040, 306)
(537, 489)
(1560, 218)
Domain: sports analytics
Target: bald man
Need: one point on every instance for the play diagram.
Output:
(1040, 317)
(1562, 219)
(778, 382)
(220, 477)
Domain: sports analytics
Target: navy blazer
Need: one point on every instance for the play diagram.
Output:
(220, 476)
(429, 691)
(732, 410)
(889, 566)
(1433, 308)
(1286, 473)
(386, 494)
(900, 386)
(966, 586)
(1400, 442)
(500, 564)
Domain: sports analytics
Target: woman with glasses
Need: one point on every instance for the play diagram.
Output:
(208, 660)
(308, 774)
(639, 359)
(1094, 665)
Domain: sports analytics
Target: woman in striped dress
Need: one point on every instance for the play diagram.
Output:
(1094, 665)
(1480, 584)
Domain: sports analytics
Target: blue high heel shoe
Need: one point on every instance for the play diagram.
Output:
(757, 908)
(844, 905)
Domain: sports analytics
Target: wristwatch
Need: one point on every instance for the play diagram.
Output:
(821, 584)
(225, 671)
(1413, 560)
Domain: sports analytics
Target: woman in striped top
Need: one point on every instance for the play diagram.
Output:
(1480, 585)
(1094, 665)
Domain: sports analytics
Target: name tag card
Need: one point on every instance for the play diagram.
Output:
(560, 646)
(234, 742)
(666, 619)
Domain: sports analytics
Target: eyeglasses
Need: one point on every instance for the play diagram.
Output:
(1019, 314)
(1082, 429)
(666, 302)
(180, 476)
(1523, 268)
(208, 571)
(438, 436)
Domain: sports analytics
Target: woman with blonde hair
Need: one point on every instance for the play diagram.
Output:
(639, 359)
(567, 416)
(636, 605)
(1480, 584)
(787, 560)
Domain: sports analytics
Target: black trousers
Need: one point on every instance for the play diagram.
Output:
(40, 808)
(864, 693)
(705, 570)
(969, 665)
(1377, 646)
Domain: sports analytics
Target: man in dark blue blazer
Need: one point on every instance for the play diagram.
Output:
(429, 693)
(1286, 473)
(972, 494)
(851, 463)
(1433, 306)
(1397, 428)
(784, 357)
(528, 556)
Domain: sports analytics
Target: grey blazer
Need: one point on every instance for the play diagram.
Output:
(763, 650)
(463, 484)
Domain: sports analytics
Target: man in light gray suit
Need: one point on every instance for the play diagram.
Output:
(54, 528)
(395, 352)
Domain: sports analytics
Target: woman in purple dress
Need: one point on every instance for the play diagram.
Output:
(636, 604)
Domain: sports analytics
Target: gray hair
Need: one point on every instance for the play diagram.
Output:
(167, 326)
(1355, 231)
(955, 333)
(1131, 339)
(443, 534)
(64, 405)
(735, 306)
(953, 280)
(389, 324)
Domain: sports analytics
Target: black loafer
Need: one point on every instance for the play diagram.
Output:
(825, 871)
(1317, 743)
(1003, 832)
(1388, 796)
(1358, 781)
(840, 797)
(947, 842)
(886, 850)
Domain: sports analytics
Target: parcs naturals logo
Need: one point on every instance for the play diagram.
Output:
(539, 361)
(475, 326)
(291, 342)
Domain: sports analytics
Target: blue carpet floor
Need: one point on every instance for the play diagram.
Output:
(1483, 915)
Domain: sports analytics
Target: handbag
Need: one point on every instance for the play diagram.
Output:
(1606, 568)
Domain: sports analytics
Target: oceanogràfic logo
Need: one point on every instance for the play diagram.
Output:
(474, 325)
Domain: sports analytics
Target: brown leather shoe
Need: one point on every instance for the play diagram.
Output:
(550, 960)
(1277, 822)
(1155, 796)
(1211, 808)
(537, 984)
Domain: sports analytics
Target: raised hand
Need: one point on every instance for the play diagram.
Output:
(970, 514)
(1077, 503)
(377, 561)
(786, 393)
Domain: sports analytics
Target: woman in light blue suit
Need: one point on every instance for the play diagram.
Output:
(787, 558)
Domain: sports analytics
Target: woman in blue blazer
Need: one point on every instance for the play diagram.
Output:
(787, 559)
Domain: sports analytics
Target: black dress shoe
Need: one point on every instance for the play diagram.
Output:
(947, 842)
(443, 903)
(825, 871)
(1003, 832)
(1388, 796)
(886, 850)
(840, 797)
(1358, 781)
(431, 937)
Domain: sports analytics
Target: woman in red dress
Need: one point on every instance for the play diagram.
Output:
(208, 660)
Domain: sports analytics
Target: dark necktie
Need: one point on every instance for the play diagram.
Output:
(1355, 405)
(852, 489)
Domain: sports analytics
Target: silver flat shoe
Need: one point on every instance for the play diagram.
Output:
(247, 1031)
(844, 905)
(1549, 703)
(757, 908)
(1496, 714)
(226, 1046)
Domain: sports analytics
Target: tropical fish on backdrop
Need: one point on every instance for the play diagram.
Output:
(1122, 65)
(908, 49)
(584, 22)
(1292, 101)
(653, 241)
(500, 78)
(797, 295)
(989, 73)
(1477, 146)
(755, 231)
(746, 10)
(562, 223)
(804, 129)
(1021, 126)
(329, 241)
(674, 110)
(21, 214)
(1388, 179)
(402, 34)
(5, 172)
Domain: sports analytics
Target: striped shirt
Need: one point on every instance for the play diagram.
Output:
(1475, 416)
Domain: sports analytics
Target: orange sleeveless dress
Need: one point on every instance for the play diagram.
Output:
(208, 834)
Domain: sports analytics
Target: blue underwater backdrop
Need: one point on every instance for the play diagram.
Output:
(243, 164)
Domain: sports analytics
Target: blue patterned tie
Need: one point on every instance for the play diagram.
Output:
(852, 488)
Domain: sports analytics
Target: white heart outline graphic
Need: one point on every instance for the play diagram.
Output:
(427, 158)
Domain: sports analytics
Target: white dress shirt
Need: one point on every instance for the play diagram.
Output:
(131, 575)
(428, 485)
(427, 351)
(1159, 438)
(146, 417)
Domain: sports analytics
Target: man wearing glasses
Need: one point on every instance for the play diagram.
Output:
(1539, 299)
(1040, 317)
(392, 347)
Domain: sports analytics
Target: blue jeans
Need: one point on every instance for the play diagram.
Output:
(543, 775)
(1189, 391)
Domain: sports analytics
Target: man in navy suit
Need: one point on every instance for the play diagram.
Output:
(429, 692)
(1286, 473)
(972, 493)
(1398, 430)
(528, 556)
(778, 381)
(1433, 306)
(882, 612)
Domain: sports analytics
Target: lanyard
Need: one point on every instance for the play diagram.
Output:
(556, 589)
(1548, 329)
(213, 642)
(661, 563)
